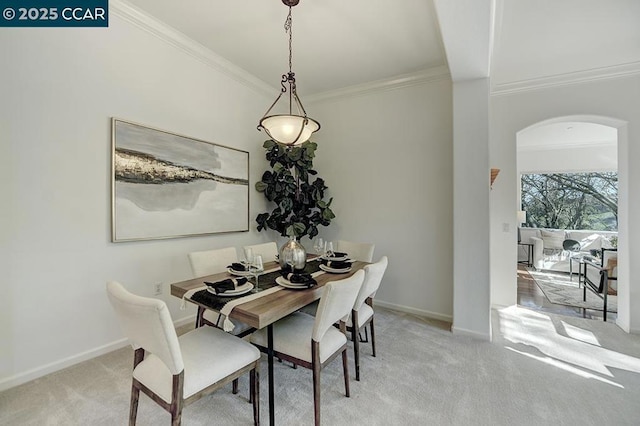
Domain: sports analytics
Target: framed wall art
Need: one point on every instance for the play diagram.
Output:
(165, 185)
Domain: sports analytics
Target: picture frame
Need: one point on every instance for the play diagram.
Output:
(166, 185)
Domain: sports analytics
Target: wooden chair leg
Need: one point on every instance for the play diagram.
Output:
(356, 342)
(133, 411)
(254, 394)
(315, 361)
(177, 400)
(199, 316)
(366, 336)
(345, 370)
(234, 389)
(373, 337)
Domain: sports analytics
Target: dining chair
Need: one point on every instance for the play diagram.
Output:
(363, 308)
(314, 342)
(356, 251)
(209, 262)
(268, 251)
(176, 371)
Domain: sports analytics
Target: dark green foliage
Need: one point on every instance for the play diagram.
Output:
(571, 200)
(299, 204)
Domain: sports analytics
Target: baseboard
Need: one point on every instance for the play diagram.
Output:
(35, 373)
(414, 311)
(470, 333)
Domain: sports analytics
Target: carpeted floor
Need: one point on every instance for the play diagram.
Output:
(559, 289)
(540, 369)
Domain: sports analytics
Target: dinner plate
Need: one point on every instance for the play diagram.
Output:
(244, 288)
(288, 284)
(333, 270)
(339, 258)
(238, 273)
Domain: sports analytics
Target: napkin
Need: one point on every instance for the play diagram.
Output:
(336, 264)
(301, 279)
(339, 254)
(237, 267)
(225, 285)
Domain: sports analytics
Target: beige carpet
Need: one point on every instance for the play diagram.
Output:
(540, 370)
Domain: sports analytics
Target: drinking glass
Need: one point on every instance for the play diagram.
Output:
(328, 251)
(318, 246)
(255, 267)
(289, 259)
(248, 257)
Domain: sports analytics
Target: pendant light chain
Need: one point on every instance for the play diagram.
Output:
(288, 28)
(288, 24)
(293, 128)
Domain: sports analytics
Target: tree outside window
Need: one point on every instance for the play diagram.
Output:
(571, 200)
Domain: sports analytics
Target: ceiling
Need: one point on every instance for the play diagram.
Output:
(342, 43)
(336, 43)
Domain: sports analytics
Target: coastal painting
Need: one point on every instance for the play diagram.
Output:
(166, 185)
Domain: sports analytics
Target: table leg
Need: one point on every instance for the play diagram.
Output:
(272, 419)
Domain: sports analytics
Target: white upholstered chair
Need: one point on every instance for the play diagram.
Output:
(209, 262)
(176, 371)
(313, 342)
(356, 251)
(363, 308)
(268, 251)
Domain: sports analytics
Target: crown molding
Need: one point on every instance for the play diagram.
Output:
(175, 38)
(401, 81)
(595, 74)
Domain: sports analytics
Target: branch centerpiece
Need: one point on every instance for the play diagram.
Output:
(299, 198)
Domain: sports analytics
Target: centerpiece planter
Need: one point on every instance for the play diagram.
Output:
(297, 252)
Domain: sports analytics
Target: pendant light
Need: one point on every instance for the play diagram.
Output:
(295, 127)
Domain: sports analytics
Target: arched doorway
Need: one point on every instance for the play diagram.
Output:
(550, 128)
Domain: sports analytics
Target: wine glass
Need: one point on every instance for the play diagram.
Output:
(328, 250)
(248, 258)
(255, 267)
(318, 246)
(289, 260)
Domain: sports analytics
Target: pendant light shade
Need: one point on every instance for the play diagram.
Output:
(293, 127)
(289, 129)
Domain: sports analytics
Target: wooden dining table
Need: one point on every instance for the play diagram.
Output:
(263, 311)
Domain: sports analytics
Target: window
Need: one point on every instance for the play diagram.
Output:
(571, 200)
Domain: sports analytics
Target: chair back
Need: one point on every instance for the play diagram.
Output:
(209, 262)
(148, 325)
(268, 251)
(357, 251)
(336, 303)
(372, 279)
(571, 245)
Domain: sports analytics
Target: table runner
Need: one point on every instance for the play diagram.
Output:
(266, 285)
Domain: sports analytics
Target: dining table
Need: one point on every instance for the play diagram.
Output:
(262, 311)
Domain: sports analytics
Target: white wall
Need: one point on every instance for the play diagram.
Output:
(58, 91)
(386, 157)
(617, 103)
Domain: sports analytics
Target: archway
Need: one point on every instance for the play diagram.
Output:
(620, 127)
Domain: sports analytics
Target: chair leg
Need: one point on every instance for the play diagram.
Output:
(366, 336)
(373, 337)
(234, 389)
(199, 316)
(133, 411)
(254, 394)
(315, 361)
(356, 342)
(345, 369)
(177, 400)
